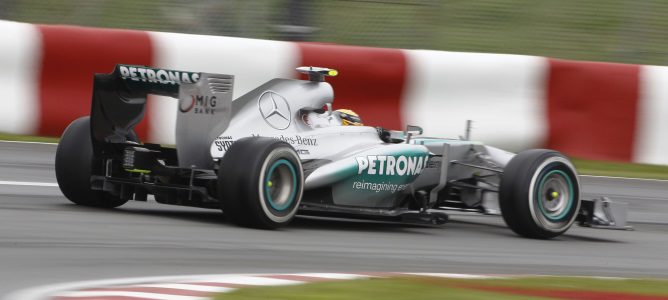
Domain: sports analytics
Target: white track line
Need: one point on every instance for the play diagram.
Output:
(185, 287)
(624, 178)
(24, 142)
(28, 183)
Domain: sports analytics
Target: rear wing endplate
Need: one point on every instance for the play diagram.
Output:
(119, 104)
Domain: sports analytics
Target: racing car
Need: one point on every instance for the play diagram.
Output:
(281, 150)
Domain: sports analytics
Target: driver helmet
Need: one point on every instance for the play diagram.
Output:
(349, 117)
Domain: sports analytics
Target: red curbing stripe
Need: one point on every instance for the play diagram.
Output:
(70, 57)
(371, 80)
(592, 109)
(152, 290)
(220, 284)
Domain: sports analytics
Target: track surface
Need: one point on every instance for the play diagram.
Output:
(44, 239)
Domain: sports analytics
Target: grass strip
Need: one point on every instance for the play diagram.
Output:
(368, 289)
(419, 287)
(619, 169)
(27, 138)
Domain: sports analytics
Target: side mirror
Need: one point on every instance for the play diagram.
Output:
(412, 130)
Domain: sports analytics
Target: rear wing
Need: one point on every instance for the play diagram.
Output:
(119, 104)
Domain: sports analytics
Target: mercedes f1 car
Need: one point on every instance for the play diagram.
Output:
(280, 150)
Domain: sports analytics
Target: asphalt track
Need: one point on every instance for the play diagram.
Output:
(44, 239)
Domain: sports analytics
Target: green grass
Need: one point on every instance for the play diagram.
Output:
(27, 138)
(634, 286)
(602, 30)
(426, 288)
(619, 169)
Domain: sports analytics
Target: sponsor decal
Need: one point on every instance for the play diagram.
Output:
(199, 104)
(275, 110)
(157, 75)
(379, 187)
(401, 165)
(295, 140)
(223, 143)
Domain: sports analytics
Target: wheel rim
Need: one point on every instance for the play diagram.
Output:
(557, 217)
(555, 195)
(280, 185)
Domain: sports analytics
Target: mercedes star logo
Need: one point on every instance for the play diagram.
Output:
(274, 110)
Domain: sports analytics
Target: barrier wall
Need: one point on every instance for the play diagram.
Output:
(585, 109)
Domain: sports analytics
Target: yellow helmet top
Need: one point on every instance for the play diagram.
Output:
(349, 117)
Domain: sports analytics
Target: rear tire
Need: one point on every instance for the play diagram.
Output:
(74, 158)
(539, 194)
(260, 183)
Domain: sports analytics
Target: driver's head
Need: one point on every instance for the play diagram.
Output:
(349, 117)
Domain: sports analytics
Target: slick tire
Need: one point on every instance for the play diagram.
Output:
(539, 194)
(74, 157)
(260, 183)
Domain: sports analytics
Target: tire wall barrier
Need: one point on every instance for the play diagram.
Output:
(590, 110)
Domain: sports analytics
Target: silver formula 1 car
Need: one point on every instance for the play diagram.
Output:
(280, 150)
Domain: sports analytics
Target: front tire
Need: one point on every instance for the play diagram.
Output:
(260, 183)
(74, 158)
(539, 194)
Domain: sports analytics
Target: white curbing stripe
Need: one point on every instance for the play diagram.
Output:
(650, 144)
(186, 287)
(101, 294)
(500, 93)
(19, 77)
(251, 280)
(252, 62)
